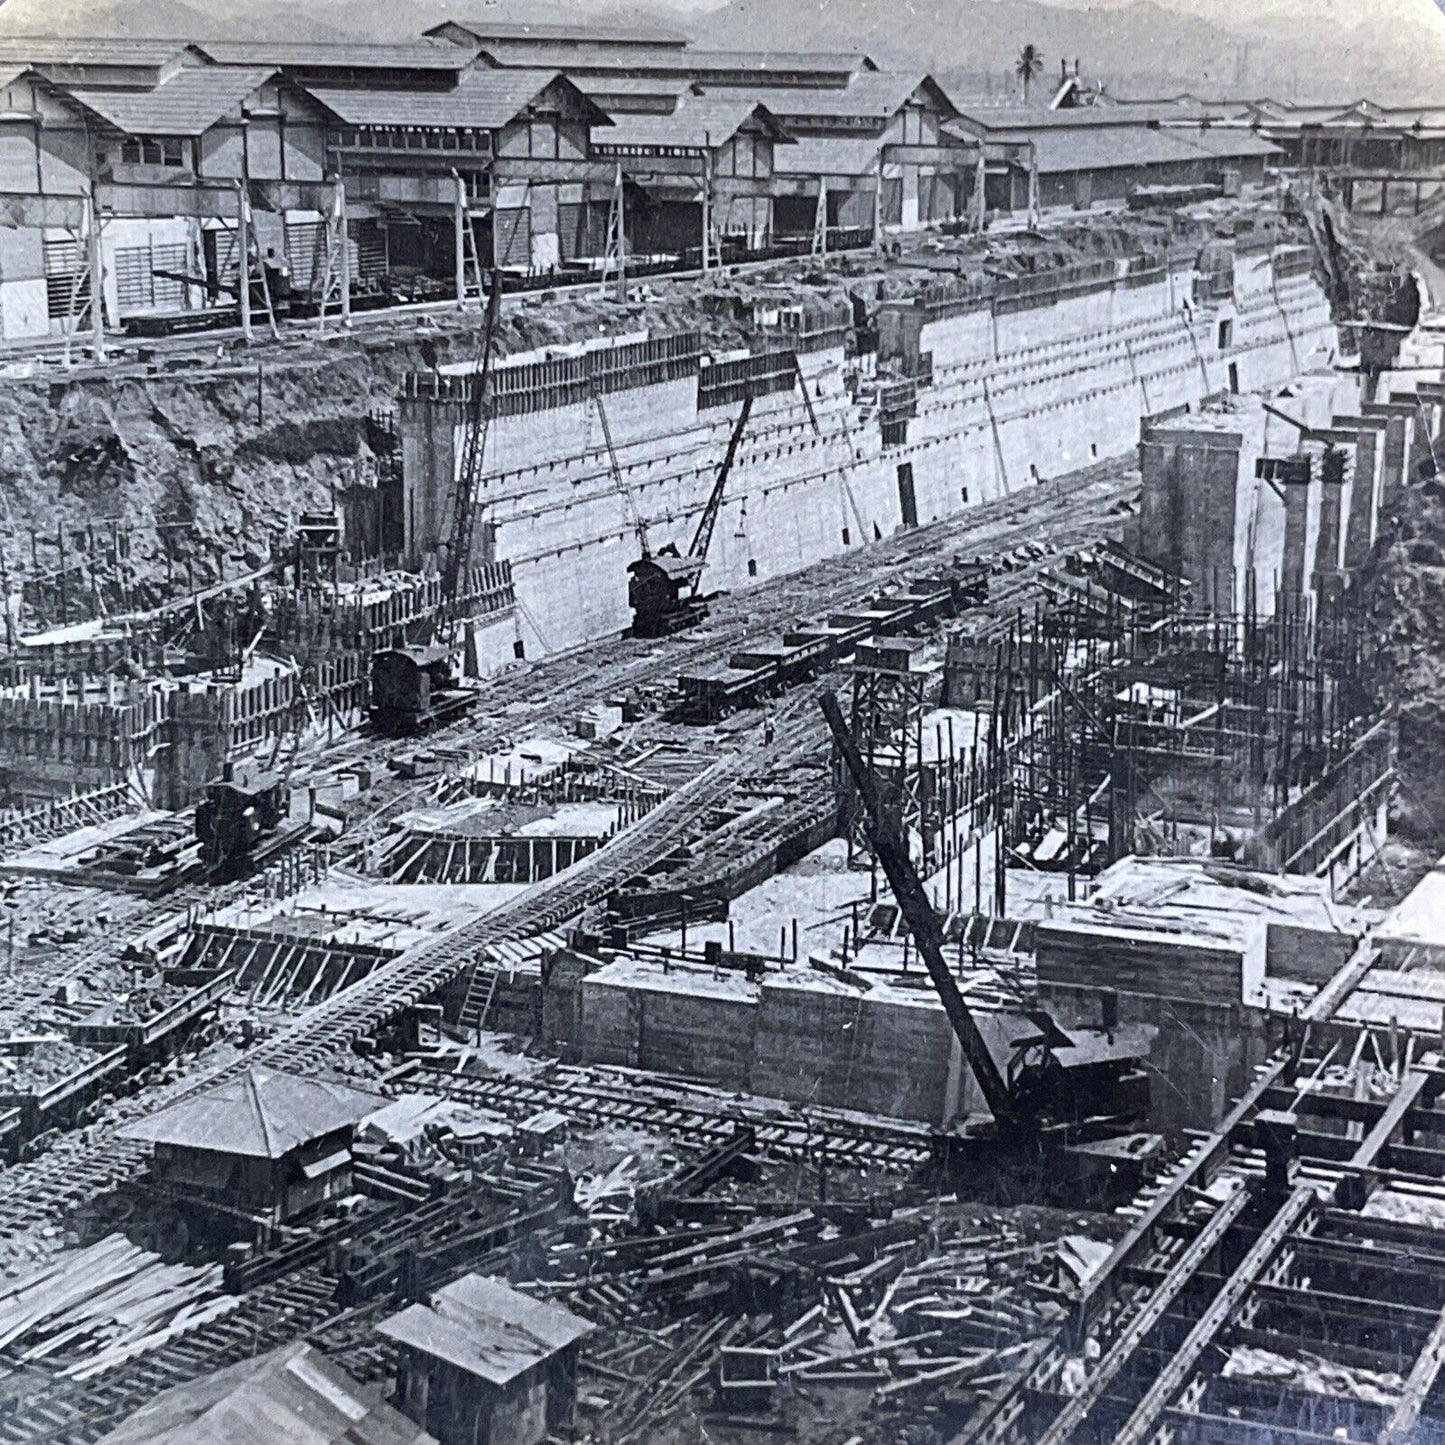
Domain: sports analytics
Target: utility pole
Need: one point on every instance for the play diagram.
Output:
(459, 223)
(1033, 186)
(97, 275)
(243, 260)
(980, 189)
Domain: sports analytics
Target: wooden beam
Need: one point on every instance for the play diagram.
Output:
(1183, 1272)
(1401, 1425)
(1175, 1375)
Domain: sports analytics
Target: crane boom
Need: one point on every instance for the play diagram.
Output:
(618, 480)
(474, 447)
(702, 538)
(922, 922)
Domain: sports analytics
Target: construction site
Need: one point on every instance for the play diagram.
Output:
(835, 844)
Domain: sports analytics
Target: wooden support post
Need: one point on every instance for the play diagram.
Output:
(96, 266)
(243, 260)
(878, 203)
(459, 225)
(706, 202)
(343, 239)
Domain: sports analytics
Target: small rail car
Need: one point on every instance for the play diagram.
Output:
(413, 689)
(239, 822)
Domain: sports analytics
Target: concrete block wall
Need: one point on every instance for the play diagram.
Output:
(851, 1051)
(1017, 397)
(875, 1053)
(1203, 1056)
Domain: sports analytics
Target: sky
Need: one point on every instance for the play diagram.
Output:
(1322, 50)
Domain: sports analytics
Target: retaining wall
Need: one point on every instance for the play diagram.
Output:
(1019, 394)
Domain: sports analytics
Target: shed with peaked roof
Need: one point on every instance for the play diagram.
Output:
(261, 1148)
(290, 1394)
(483, 1361)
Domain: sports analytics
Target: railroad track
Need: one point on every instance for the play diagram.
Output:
(1070, 512)
(64, 1412)
(595, 1097)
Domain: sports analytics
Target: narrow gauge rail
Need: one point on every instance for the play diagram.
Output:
(593, 1097)
(1072, 510)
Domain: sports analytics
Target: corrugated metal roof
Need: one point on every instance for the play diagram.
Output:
(59, 50)
(828, 155)
(1098, 148)
(700, 122)
(586, 35)
(481, 100)
(673, 85)
(872, 95)
(291, 1394)
(404, 55)
(261, 1114)
(188, 104)
(483, 1326)
(1092, 117)
(821, 61)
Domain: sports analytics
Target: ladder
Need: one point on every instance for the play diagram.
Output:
(336, 266)
(473, 1018)
(614, 257)
(820, 221)
(470, 275)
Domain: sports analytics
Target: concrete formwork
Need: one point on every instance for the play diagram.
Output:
(1018, 396)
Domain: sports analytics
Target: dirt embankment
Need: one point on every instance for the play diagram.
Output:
(206, 455)
(1406, 601)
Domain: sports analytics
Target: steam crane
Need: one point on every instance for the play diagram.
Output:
(1066, 1100)
(415, 687)
(664, 591)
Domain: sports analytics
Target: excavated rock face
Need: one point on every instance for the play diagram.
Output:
(1407, 610)
(192, 463)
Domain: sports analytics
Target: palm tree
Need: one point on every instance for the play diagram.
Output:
(1029, 64)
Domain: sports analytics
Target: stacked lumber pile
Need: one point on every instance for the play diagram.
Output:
(717, 1302)
(89, 1311)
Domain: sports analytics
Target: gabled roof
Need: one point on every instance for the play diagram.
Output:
(486, 1328)
(290, 1394)
(484, 30)
(699, 123)
(260, 1114)
(188, 104)
(318, 55)
(63, 50)
(481, 100)
(875, 95)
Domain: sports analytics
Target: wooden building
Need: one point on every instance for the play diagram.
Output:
(258, 1151)
(877, 149)
(1086, 155)
(484, 1362)
(505, 151)
(706, 164)
(291, 1394)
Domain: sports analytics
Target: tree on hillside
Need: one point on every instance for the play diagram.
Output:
(1029, 64)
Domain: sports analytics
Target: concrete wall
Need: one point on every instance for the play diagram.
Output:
(1026, 395)
(829, 1045)
(1202, 1058)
